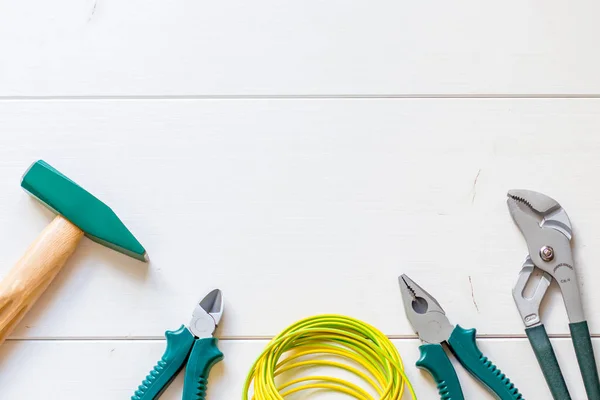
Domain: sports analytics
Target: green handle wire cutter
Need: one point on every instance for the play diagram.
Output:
(195, 344)
(433, 328)
(548, 233)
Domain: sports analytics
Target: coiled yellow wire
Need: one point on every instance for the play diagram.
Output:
(329, 335)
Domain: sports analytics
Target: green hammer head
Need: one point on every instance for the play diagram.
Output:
(74, 203)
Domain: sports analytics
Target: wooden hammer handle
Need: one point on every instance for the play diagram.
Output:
(33, 273)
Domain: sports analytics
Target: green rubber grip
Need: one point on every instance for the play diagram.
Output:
(544, 352)
(463, 345)
(179, 343)
(580, 333)
(435, 361)
(205, 354)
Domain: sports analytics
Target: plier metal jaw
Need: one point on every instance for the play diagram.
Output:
(434, 329)
(547, 230)
(424, 313)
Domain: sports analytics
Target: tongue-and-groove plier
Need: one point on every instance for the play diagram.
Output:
(548, 233)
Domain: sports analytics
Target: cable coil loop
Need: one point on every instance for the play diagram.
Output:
(373, 358)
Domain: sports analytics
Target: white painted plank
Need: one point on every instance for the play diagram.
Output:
(310, 47)
(300, 207)
(111, 370)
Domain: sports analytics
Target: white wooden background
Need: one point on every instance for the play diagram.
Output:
(299, 156)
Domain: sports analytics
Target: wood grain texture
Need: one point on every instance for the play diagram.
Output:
(34, 272)
(300, 207)
(312, 47)
(111, 370)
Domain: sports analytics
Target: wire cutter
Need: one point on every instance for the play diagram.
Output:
(548, 233)
(195, 344)
(429, 321)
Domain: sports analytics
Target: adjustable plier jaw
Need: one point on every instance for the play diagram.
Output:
(547, 230)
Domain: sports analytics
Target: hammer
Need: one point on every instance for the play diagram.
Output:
(79, 213)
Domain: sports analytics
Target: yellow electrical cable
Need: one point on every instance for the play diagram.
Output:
(329, 335)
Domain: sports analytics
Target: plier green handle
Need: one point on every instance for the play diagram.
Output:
(194, 344)
(529, 308)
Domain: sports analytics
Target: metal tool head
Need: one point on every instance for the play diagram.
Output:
(93, 217)
(545, 226)
(548, 232)
(425, 314)
(529, 307)
(207, 314)
(527, 206)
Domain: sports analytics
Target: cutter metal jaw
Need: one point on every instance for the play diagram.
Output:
(548, 232)
(207, 315)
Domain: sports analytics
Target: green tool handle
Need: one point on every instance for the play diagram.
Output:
(463, 345)
(435, 361)
(205, 354)
(179, 343)
(544, 352)
(582, 342)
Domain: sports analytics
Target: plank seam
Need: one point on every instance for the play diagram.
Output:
(303, 97)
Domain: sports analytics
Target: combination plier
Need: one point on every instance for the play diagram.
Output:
(429, 321)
